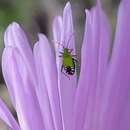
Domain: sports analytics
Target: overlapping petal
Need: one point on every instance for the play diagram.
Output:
(16, 37)
(117, 106)
(49, 85)
(81, 98)
(93, 70)
(67, 87)
(16, 76)
(42, 91)
(57, 30)
(7, 117)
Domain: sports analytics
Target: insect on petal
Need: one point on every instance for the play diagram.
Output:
(67, 84)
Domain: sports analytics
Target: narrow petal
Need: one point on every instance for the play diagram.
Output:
(42, 91)
(100, 36)
(7, 117)
(103, 57)
(16, 76)
(57, 28)
(93, 69)
(15, 37)
(116, 99)
(57, 35)
(50, 80)
(82, 92)
(68, 29)
(67, 84)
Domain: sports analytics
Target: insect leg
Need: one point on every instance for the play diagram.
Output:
(63, 72)
(62, 68)
(70, 50)
(58, 42)
(66, 75)
(61, 53)
(75, 60)
(74, 56)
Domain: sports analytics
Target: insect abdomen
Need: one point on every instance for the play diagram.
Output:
(70, 69)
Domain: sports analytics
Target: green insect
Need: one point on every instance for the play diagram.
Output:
(68, 67)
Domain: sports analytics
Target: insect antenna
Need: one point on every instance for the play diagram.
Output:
(58, 42)
(70, 38)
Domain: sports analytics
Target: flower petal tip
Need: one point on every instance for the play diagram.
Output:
(57, 18)
(67, 6)
(88, 15)
(15, 24)
(41, 36)
(99, 3)
(8, 35)
(86, 11)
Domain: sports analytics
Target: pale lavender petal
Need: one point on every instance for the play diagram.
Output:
(67, 87)
(57, 35)
(16, 74)
(82, 92)
(57, 29)
(42, 92)
(68, 38)
(103, 57)
(95, 75)
(15, 37)
(48, 65)
(117, 96)
(7, 117)
(101, 37)
(93, 69)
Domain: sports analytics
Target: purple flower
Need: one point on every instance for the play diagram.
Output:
(47, 99)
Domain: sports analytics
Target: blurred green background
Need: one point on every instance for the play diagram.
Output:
(37, 15)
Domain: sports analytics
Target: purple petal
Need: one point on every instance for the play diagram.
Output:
(49, 84)
(101, 37)
(94, 73)
(57, 28)
(42, 91)
(68, 31)
(104, 45)
(93, 69)
(82, 92)
(116, 99)
(57, 35)
(67, 87)
(16, 76)
(7, 117)
(16, 37)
